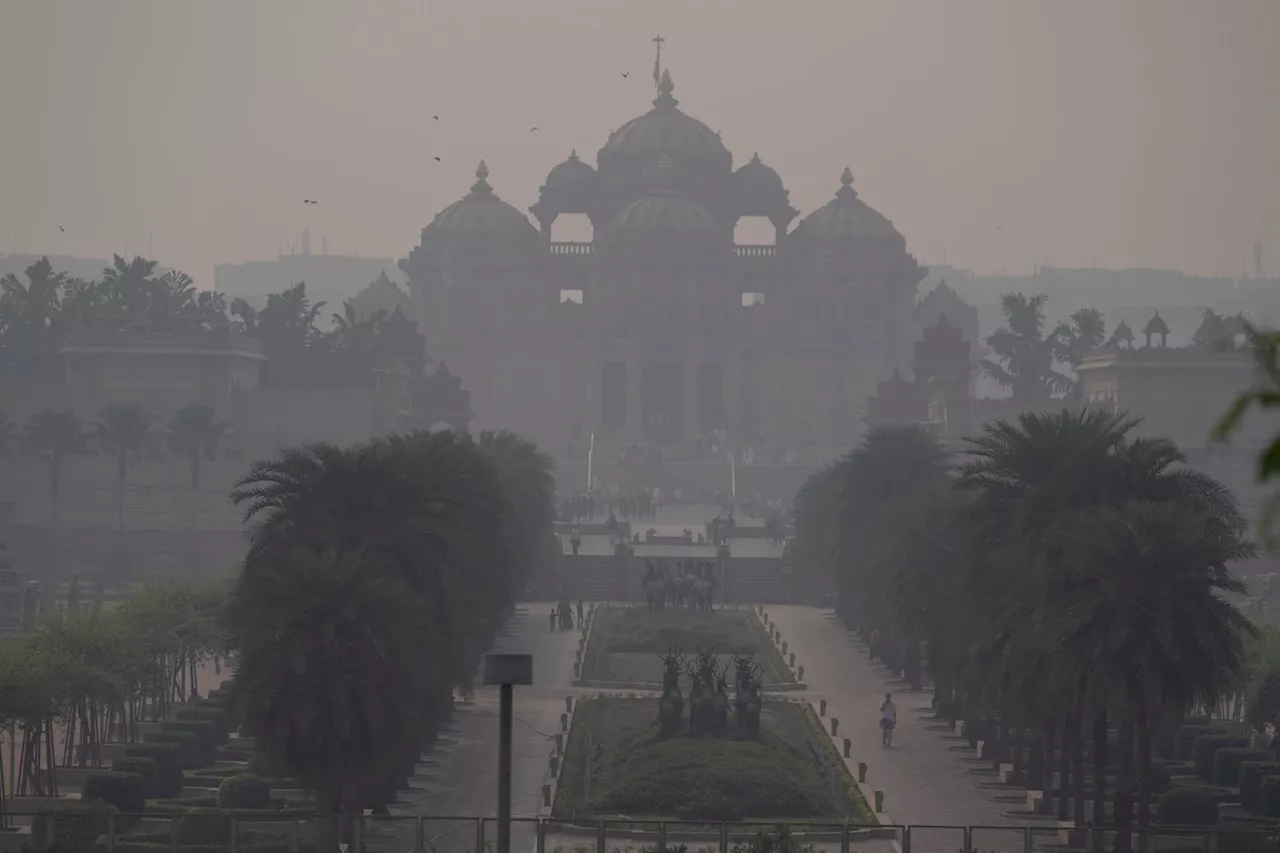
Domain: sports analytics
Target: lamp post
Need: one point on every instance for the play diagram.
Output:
(506, 671)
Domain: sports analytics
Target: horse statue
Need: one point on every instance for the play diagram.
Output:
(747, 701)
(720, 704)
(671, 706)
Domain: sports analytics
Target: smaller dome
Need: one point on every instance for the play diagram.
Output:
(846, 218)
(571, 176)
(480, 214)
(755, 180)
(666, 211)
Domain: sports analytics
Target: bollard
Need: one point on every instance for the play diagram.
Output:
(577, 669)
(784, 648)
(553, 764)
(862, 771)
(564, 722)
(800, 673)
(792, 660)
(559, 743)
(761, 608)
(777, 636)
(568, 704)
(822, 707)
(848, 746)
(835, 726)
(879, 802)
(546, 796)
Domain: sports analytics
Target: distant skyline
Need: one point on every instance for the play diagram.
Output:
(996, 134)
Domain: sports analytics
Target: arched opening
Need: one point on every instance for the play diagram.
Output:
(570, 295)
(572, 228)
(754, 231)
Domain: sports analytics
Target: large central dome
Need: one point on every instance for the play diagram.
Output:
(662, 130)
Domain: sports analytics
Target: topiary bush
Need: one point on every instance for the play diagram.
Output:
(1187, 734)
(245, 791)
(1251, 775)
(168, 761)
(216, 717)
(187, 744)
(1226, 763)
(207, 738)
(1203, 750)
(1264, 700)
(144, 767)
(125, 791)
(71, 826)
(1269, 797)
(1187, 807)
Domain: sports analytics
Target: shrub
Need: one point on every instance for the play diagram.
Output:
(187, 744)
(1205, 746)
(71, 826)
(1187, 807)
(245, 791)
(1226, 763)
(206, 735)
(1251, 775)
(168, 782)
(144, 767)
(1264, 701)
(126, 791)
(212, 715)
(1269, 797)
(1187, 735)
(204, 827)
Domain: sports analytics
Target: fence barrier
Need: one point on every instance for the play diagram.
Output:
(67, 828)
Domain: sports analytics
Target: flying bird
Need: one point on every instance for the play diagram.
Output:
(436, 118)
(62, 228)
(437, 159)
(998, 228)
(625, 73)
(532, 129)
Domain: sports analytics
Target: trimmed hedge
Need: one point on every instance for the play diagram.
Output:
(205, 827)
(1226, 763)
(144, 767)
(245, 791)
(1187, 807)
(205, 733)
(186, 743)
(214, 716)
(126, 791)
(1206, 746)
(168, 760)
(1251, 775)
(1187, 735)
(1264, 701)
(1269, 797)
(71, 826)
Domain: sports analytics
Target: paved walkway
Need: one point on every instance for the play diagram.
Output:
(459, 779)
(925, 781)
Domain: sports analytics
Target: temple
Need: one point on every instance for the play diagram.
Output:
(660, 330)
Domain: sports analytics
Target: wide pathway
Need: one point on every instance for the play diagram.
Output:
(925, 781)
(459, 779)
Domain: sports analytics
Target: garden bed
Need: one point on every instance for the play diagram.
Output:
(643, 777)
(625, 644)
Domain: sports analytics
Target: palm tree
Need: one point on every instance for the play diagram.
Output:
(327, 676)
(30, 315)
(194, 433)
(172, 295)
(1024, 354)
(54, 436)
(128, 286)
(1147, 613)
(123, 430)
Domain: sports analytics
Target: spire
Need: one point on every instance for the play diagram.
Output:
(665, 88)
(481, 186)
(573, 156)
(846, 192)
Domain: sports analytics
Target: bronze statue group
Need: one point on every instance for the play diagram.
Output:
(682, 585)
(709, 695)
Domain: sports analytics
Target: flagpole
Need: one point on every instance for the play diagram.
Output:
(591, 450)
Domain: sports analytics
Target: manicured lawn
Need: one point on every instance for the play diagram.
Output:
(643, 777)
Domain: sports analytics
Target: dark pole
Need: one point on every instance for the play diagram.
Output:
(504, 770)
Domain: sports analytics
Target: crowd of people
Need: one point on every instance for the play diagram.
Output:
(582, 507)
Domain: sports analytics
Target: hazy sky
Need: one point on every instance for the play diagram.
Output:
(999, 134)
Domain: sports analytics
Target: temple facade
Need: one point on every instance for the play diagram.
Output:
(661, 329)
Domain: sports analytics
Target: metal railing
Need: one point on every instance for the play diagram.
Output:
(65, 828)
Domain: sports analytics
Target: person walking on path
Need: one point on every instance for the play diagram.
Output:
(582, 622)
(888, 719)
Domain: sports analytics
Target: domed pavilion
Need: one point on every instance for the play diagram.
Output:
(660, 328)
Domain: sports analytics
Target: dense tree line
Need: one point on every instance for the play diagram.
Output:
(377, 576)
(48, 310)
(1063, 578)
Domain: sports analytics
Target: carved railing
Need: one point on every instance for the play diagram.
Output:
(566, 247)
(754, 251)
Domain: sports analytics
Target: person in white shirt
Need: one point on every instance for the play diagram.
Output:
(888, 719)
